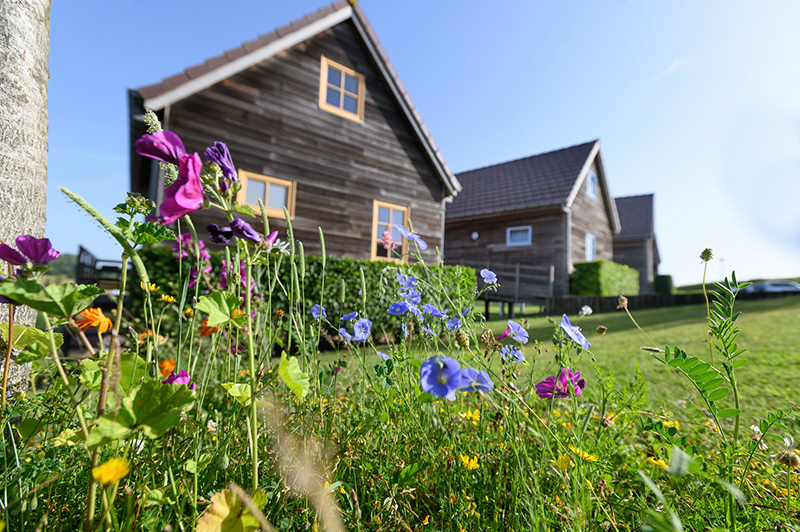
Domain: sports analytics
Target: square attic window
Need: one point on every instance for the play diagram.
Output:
(341, 90)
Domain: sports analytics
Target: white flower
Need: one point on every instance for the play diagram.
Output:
(136, 446)
(586, 310)
(211, 426)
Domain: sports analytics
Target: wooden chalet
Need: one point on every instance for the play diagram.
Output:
(317, 121)
(636, 245)
(529, 220)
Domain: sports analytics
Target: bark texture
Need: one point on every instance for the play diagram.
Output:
(24, 73)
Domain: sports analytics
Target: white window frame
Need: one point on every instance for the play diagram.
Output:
(511, 244)
(591, 189)
(591, 247)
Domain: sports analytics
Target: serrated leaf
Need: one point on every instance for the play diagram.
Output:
(718, 394)
(30, 338)
(728, 412)
(227, 513)
(150, 233)
(219, 306)
(290, 373)
(245, 209)
(239, 391)
(68, 437)
(62, 300)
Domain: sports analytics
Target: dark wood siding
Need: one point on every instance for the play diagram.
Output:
(269, 117)
(638, 254)
(547, 247)
(589, 215)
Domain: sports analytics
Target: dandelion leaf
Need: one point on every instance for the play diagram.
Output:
(219, 306)
(290, 373)
(227, 513)
(62, 300)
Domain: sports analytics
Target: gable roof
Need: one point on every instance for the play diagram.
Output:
(198, 77)
(549, 179)
(635, 215)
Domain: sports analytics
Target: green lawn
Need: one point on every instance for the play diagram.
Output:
(770, 330)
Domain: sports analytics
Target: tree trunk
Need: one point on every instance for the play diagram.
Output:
(24, 73)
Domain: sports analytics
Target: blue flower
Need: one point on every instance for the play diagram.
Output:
(384, 356)
(425, 329)
(475, 381)
(412, 236)
(318, 312)
(406, 334)
(412, 295)
(361, 330)
(406, 281)
(517, 332)
(488, 276)
(433, 311)
(345, 335)
(348, 317)
(512, 354)
(399, 308)
(453, 324)
(574, 332)
(465, 312)
(441, 377)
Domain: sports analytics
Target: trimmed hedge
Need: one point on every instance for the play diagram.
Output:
(342, 286)
(662, 284)
(603, 278)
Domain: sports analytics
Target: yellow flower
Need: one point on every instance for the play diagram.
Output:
(657, 462)
(673, 424)
(563, 463)
(188, 313)
(167, 299)
(583, 454)
(152, 287)
(425, 521)
(471, 415)
(93, 317)
(111, 472)
(469, 463)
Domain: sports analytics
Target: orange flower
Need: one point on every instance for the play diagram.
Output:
(205, 330)
(93, 317)
(148, 333)
(167, 367)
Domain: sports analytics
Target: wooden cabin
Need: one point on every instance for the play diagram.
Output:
(532, 219)
(317, 121)
(636, 245)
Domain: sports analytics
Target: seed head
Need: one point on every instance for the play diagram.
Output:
(706, 255)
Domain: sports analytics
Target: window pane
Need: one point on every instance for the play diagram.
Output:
(350, 84)
(277, 196)
(334, 77)
(383, 215)
(518, 235)
(397, 217)
(350, 104)
(255, 191)
(379, 251)
(332, 97)
(396, 236)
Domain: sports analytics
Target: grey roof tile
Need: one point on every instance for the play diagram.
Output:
(635, 215)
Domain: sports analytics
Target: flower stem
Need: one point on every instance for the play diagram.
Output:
(8, 350)
(708, 312)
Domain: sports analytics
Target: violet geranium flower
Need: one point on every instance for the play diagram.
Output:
(565, 384)
(574, 332)
(180, 377)
(36, 250)
(185, 195)
(162, 145)
(243, 230)
(441, 376)
(412, 236)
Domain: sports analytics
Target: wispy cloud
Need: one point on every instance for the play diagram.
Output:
(676, 65)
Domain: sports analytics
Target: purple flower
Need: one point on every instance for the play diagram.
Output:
(574, 332)
(384, 356)
(193, 275)
(564, 385)
(318, 312)
(512, 354)
(223, 281)
(350, 316)
(36, 250)
(505, 334)
(185, 195)
(361, 330)
(412, 236)
(453, 324)
(433, 311)
(346, 337)
(219, 153)
(517, 332)
(162, 145)
(441, 377)
(11, 255)
(180, 377)
(475, 381)
(271, 238)
(183, 245)
(488, 276)
(242, 229)
(220, 235)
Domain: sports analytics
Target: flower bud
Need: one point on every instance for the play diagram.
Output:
(601, 330)
(623, 302)
(706, 255)
(462, 339)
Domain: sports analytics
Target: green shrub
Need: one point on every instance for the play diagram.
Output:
(662, 284)
(603, 278)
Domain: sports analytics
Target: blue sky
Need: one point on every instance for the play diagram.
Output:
(698, 103)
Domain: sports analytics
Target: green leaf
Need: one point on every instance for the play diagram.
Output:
(28, 428)
(718, 394)
(245, 209)
(62, 300)
(36, 342)
(706, 376)
(712, 384)
(679, 462)
(227, 513)
(68, 437)
(290, 373)
(150, 233)
(154, 498)
(733, 490)
(406, 476)
(739, 363)
(384, 417)
(219, 306)
(240, 392)
(690, 363)
(91, 375)
(676, 362)
(698, 369)
(199, 465)
(728, 412)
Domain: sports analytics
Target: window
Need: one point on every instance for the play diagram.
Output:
(387, 216)
(591, 186)
(341, 90)
(518, 236)
(590, 247)
(274, 193)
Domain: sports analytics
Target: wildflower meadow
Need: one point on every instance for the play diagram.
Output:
(232, 397)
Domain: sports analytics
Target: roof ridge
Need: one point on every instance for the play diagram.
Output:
(635, 196)
(529, 157)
